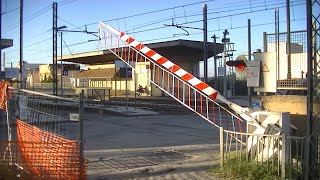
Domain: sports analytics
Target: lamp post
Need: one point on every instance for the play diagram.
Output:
(59, 29)
(61, 67)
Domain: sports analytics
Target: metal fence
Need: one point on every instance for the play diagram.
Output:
(282, 154)
(39, 138)
(298, 58)
(49, 86)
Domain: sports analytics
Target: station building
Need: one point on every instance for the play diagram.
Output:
(106, 76)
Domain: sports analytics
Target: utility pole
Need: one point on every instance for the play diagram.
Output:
(225, 40)
(1, 39)
(215, 59)
(54, 48)
(276, 20)
(288, 39)
(3, 66)
(21, 46)
(312, 145)
(249, 57)
(61, 68)
(205, 41)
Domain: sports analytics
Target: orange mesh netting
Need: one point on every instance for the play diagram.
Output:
(3, 89)
(48, 155)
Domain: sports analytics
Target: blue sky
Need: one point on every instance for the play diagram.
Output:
(147, 27)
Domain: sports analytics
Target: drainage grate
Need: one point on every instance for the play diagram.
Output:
(105, 166)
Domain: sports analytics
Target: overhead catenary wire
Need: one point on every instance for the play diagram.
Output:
(217, 14)
(227, 9)
(38, 13)
(190, 15)
(149, 12)
(210, 31)
(242, 13)
(163, 20)
(31, 17)
(38, 42)
(191, 34)
(243, 6)
(67, 47)
(217, 30)
(217, 17)
(11, 10)
(41, 41)
(64, 2)
(66, 21)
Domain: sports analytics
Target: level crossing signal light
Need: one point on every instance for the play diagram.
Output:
(240, 65)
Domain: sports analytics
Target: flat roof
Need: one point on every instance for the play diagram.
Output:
(184, 49)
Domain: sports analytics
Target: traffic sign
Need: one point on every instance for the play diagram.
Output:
(240, 65)
(65, 72)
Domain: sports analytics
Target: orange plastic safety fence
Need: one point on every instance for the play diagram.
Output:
(3, 89)
(48, 155)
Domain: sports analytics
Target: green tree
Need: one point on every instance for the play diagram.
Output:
(48, 80)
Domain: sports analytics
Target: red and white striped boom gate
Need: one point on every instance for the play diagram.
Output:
(185, 88)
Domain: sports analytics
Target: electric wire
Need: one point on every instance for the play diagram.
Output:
(163, 20)
(66, 21)
(149, 12)
(11, 10)
(67, 47)
(170, 37)
(241, 13)
(64, 2)
(217, 17)
(31, 17)
(155, 22)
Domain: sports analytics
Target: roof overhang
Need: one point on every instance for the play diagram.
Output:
(5, 43)
(93, 57)
(95, 74)
(177, 50)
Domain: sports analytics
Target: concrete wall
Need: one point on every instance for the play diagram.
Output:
(288, 103)
(296, 105)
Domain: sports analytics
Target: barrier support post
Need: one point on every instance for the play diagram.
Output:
(81, 142)
(221, 147)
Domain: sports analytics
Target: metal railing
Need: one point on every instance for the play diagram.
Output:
(39, 138)
(282, 154)
(46, 86)
(294, 84)
(173, 85)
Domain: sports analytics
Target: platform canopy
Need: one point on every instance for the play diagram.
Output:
(176, 51)
(5, 43)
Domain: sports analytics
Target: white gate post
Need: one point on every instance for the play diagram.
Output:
(221, 147)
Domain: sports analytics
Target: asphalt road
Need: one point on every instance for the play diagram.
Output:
(102, 131)
(164, 146)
